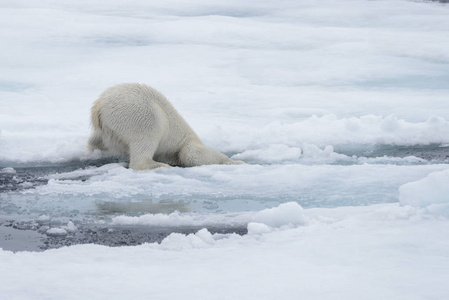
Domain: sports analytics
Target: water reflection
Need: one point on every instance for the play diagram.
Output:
(165, 206)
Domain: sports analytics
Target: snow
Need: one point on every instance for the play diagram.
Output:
(297, 72)
(307, 93)
(371, 252)
(431, 192)
(285, 214)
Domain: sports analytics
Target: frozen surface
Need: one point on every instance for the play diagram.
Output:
(245, 76)
(431, 192)
(104, 192)
(373, 252)
(339, 108)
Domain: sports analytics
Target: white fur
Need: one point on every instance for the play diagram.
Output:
(137, 121)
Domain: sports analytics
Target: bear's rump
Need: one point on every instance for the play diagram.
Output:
(131, 123)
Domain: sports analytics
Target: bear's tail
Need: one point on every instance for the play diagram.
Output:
(95, 115)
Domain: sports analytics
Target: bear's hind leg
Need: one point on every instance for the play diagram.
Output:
(141, 157)
(96, 141)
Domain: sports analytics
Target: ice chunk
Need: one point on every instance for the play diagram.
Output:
(290, 213)
(258, 228)
(327, 154)
(271, 154)
(282, 154)
(205, 236)
(173, 219)
(177, 219)
(177, 241)
(43, 219)
(70, 227)
(56, 231)
(8, 170)
(431, 192)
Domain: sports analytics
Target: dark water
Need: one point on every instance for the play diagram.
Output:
(32, 175)
(432, 152)
(33, 236)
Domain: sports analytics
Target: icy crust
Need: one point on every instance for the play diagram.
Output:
(285, 220)
(431, 192)
(113, 189)
(286, 214)
(177, 219)
(350, 248)
(224, 181)
(312, 154)
(419, 200)
(375, 252)
(282, 218)
(276, 142)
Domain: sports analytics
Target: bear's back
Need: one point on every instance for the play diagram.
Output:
(132, 109)
(133, 95)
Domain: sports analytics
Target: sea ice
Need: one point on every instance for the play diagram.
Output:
(290, 213)
(70, 227)
(56, 231)
(431, 192)
(258, 228)
(287, 86)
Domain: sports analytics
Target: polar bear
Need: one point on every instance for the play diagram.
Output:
(137, 121)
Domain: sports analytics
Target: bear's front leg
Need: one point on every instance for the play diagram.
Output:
(141, 157)
(145, 164)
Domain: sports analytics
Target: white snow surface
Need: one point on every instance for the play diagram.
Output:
(372, 252)
(245, 76)
(431, 192)
(282, 85)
